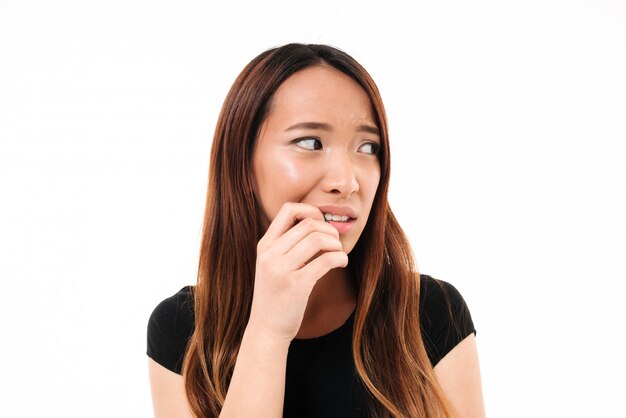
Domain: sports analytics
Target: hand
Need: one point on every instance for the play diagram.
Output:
(298, 248)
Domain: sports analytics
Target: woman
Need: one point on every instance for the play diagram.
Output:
(308, 302)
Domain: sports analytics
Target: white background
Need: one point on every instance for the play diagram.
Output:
(508, 133)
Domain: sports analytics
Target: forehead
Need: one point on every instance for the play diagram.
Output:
(321, 93)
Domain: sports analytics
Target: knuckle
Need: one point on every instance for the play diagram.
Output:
(328, 258)
(330, 229)
(337, 258)
(317, 226)
(289, 207)
(261, 247)
(271, 269)
(308, 224)
(265, 255)
(318, 238)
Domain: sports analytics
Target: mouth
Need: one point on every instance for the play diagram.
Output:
(342, 223)
(328, 217)
(343, 218)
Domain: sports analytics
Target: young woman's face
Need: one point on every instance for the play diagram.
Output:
(318, 146)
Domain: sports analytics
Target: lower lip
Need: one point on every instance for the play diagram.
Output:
(342, 227)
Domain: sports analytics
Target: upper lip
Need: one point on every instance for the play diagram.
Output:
(339, 210)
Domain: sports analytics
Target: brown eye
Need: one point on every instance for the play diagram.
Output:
(369, 148)
(309, 143)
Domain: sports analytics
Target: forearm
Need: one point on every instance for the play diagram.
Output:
(257, 387)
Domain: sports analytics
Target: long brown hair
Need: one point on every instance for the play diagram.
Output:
(388, 350)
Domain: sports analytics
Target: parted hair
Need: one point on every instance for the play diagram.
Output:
(389, 354)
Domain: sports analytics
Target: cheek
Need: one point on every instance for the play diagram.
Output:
(282, 180)
(370, 181)
(289, 172)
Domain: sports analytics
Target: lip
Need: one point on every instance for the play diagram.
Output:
(343, 227)
(339, 210)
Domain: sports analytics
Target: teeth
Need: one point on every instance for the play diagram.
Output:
(336, 218)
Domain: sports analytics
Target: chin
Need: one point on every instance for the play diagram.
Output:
(347, 247)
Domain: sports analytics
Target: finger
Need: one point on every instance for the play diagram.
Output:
(309, 247)
(317, 268)
(300, 231)
(290, 214)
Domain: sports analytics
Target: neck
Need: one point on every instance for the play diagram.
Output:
(334, 288)
(331, 302)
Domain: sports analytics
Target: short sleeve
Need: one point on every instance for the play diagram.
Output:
(444, 316)
(170, 326)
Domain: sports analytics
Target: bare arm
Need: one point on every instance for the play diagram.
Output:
(459, 376)
(168, 392)
(257, 388)
(287, 268)
(296, 251)
(258, 382)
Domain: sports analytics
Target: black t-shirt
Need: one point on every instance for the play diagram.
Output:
(321, 377)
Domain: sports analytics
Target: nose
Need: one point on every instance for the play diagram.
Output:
(340, 175)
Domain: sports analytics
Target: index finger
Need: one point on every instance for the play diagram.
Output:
(289, 215)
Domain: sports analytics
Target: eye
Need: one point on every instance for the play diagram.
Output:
(370, 148)
(309, 143)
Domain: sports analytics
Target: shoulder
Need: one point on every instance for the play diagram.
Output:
(169, 328)
(445, 317)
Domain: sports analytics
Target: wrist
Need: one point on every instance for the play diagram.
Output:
(264, 340)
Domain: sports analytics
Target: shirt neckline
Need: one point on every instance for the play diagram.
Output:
(340, 330)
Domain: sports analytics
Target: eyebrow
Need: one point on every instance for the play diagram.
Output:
(326, 127)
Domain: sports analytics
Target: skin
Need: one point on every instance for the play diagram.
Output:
(337, 166)
(302, 289)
